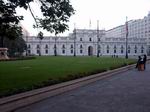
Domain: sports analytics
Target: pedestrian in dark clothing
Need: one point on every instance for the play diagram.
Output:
(144, 61)
(139, 61)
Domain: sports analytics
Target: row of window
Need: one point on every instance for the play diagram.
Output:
(81, 51)
(122, 51)
(81, 46)
(135, 47)
(46, 51)
(90, 39)
(63, 46)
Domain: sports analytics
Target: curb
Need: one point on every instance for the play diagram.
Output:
(11, 103)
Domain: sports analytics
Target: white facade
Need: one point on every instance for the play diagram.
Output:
(92, 42)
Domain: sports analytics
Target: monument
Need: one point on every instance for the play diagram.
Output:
(3, 54)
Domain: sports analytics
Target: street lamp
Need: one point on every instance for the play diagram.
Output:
(98, 38)
(126, 38)
(74, 40)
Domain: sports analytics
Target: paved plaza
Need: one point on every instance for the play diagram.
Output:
(125, 92)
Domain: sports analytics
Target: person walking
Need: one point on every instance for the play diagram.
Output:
(144, 61)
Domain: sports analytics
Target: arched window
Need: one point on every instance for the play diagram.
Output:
(81, 46)
(90, 39)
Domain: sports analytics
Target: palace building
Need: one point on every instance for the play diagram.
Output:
(132, 39)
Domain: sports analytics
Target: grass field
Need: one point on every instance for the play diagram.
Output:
(19, 76)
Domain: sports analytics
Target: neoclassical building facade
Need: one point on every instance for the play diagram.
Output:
(88, 42)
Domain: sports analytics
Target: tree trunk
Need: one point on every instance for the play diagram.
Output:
(1, 42)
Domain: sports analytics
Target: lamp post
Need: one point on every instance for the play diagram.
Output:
(74, 40)
(126, 38)
(26, 45)
(98, 38)
(55, 47)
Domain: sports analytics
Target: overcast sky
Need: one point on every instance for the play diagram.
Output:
(110, 13)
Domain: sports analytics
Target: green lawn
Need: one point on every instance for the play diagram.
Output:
(18, 76)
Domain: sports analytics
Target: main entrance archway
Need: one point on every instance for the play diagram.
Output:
(90, 51)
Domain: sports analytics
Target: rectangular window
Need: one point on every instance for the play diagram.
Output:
(121, 51)
(38, 51)
(71, 51)
(29, 51)
(142, 51)
(128, 51)
(63, 51)
(135, 51)
(80, 39)
(107, 51)
(46, 51)
(114, 51)
(81, 51)
(99, 51)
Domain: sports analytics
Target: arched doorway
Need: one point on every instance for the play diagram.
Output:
(90, 51)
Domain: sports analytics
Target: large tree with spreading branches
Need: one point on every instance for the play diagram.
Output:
(56, 14)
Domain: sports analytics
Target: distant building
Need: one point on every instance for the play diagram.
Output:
(84, 42)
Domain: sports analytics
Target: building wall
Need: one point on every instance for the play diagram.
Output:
(87, 42)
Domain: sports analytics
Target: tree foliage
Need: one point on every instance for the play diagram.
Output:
(40, 35)
(56, 13)
(9, 22)
(15, 47)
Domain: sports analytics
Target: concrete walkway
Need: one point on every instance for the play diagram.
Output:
(125, 92)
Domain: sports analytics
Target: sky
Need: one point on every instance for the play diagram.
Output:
(110, 13)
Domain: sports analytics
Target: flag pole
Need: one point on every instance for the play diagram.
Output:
(90, 24)
(126, 37)
(74, 40)
(97, 38)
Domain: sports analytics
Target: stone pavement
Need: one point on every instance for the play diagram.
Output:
(125, 92)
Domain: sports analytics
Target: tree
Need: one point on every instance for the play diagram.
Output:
(8, 22)
(40, 36)
(15, 47)
(56, 13)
